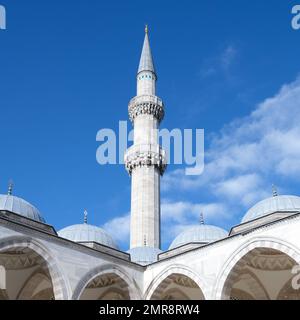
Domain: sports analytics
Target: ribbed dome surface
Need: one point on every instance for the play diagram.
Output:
(87, 233)
(202, 233)
(272, 205)
(21, 207)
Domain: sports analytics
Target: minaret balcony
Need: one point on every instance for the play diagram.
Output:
(146, 104)
(148, 155)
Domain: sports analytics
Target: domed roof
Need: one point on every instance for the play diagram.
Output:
(144, 255)
(271, 205)
(87, 233)
(21, 207)
(202, 233)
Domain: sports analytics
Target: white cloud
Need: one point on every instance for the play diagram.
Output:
(220, 63)
(180, 215)
(185, 211)
(119, 228)
(251, 153)
(228, 56)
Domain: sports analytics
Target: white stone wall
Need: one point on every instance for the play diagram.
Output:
(210, 266)
(72, 266)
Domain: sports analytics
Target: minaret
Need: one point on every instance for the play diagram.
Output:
(145, 160)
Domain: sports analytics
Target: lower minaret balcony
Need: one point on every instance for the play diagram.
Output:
(146, 104)
(145, 155)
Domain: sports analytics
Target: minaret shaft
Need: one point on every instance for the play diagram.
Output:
(145, 207)
(145, 160)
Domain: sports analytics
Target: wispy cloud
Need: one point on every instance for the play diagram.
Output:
(219, 64)
(251, 153)
(119, 228)
(228, 57)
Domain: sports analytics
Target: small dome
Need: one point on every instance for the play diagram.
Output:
(144, 255)
(272, 205)
(202, 233)
(87, 233)
(21, 207)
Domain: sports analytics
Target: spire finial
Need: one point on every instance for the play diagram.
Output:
(201, 218)
(10, 187)
(274, 191)
(85, 214)
(146, 29)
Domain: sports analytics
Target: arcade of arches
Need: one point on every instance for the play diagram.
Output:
(262, 274)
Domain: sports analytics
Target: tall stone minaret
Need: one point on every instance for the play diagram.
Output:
(145, 160)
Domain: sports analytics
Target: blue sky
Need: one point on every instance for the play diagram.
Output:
(66, 71)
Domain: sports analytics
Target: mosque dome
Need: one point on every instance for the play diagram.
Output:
(87, 233)
(144, 255)
(202, 233)
(19, 206)
(272, 205)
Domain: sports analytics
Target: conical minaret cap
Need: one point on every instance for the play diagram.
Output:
(146, 61)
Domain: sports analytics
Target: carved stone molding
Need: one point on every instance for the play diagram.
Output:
(137, 156)
(101, 282)
(151, 105)
(271, 263)
(185, 282)
(19, 261)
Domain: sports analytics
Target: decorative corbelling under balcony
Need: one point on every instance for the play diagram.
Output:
(136, 158)
(150, 105)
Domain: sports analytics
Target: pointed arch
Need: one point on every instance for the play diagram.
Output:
(106, 270)
(47, 261)
(176, 269)
(235, 260)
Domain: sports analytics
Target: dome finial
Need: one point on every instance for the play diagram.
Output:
(274, 191)
(10, 187)
(145, 241)
(146, 28)
(201, 218)
(85, 214)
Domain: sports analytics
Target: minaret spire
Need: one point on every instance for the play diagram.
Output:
(146, 60)
(145, 161)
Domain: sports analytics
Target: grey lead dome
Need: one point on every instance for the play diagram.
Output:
(21, 207)
(273, 204)
(202, 234)
(87, 233)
